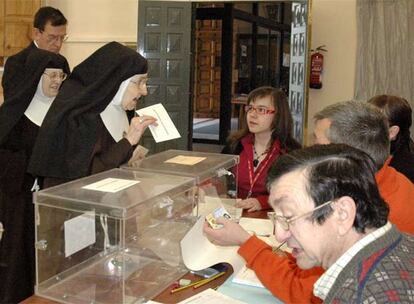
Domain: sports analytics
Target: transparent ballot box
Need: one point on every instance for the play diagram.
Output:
(214, 173)
(113, 237)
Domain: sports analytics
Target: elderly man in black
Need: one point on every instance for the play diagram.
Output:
(49, 33)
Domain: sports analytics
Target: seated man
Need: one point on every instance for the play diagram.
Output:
(329, 211)
(359, 125)
(365, 127)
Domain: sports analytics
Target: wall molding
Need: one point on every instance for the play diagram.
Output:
(100, 39)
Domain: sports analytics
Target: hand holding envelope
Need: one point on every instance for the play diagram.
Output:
(165, 128)
(137, 128)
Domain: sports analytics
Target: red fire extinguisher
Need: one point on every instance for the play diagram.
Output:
(316, 67)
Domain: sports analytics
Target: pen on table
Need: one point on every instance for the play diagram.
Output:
(259, 234)
(187, 286)
(204, 282)
(198, 283)
(263, 235)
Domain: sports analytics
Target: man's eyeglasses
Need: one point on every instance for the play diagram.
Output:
(56, 76)
(286, 222)
(261, 110)
(55, 38)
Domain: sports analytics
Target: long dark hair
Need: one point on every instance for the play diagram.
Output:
(282, 124)
(398, 112)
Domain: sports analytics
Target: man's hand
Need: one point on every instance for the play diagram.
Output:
(251, 204)
(231, 234)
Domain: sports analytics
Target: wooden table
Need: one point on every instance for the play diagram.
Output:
(165, 296)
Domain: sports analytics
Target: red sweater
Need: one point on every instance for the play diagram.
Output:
(287, 281)
(246, 175)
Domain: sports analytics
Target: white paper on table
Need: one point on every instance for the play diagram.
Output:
(165, 130)
(79, 232)
(246, 276)
(263, 229)
(185, 160)
(199, 253)
(259, 227)
(111, 185)
(207, 204)
(210, 296)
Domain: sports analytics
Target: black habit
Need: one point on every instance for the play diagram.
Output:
(17, 138)
(73, 141)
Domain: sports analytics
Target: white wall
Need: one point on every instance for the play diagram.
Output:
(333, 25)
(92, 23)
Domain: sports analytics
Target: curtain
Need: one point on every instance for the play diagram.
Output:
(385, 49)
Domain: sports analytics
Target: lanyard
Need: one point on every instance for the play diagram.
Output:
(262, 166)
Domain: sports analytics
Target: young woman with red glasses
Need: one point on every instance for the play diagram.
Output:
(266, 134)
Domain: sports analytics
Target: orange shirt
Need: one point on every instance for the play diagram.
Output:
(287, 281)
(398, 191)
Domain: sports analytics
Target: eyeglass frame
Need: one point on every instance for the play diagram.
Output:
(55, 77)
(50, 38)
(249, 108)
(286, 222)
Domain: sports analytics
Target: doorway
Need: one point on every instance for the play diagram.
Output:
(238, 47)
(256, 49)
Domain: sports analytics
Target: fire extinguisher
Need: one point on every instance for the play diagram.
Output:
(316, 67)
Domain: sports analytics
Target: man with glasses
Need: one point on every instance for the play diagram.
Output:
(365, 127)
(362, 126)
(49, 33)
(329, 211)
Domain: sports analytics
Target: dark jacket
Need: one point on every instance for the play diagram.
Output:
(14, 71)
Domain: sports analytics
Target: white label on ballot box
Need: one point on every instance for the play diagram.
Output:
(111, 185)
(79, 232)
(185, 160)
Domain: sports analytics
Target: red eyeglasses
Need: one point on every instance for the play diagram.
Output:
(261, 110)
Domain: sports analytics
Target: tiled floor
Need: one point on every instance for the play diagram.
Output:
(208, 128)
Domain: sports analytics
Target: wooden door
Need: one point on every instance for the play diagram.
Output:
(16, 25)
(207, 69)
(164, 38)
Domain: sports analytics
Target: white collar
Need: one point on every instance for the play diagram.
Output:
(114, 116)
(38, 107)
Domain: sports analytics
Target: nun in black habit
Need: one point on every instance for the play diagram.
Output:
(87, 130)
(21, 115)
